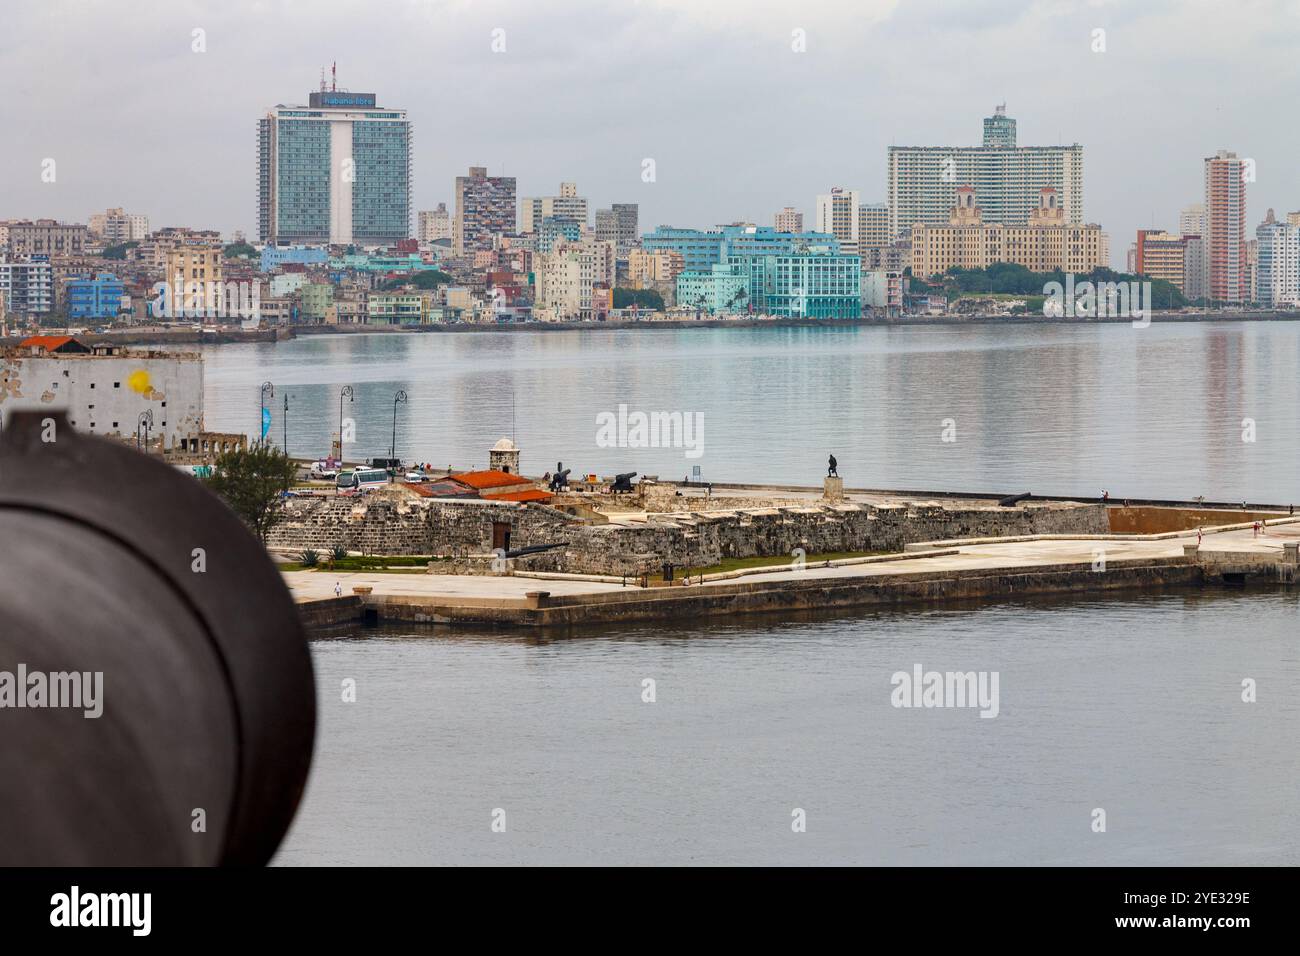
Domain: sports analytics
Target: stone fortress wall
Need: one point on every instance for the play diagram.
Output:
(394, 522)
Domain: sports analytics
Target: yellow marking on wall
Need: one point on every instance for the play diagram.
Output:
(138, 381)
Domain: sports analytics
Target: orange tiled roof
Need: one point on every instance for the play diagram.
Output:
(532, 494)
(47, 342)
(489, 479)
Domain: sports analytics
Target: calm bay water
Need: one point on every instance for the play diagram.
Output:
(1053, 409)
(1131, 704)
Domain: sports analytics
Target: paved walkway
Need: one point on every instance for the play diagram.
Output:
(314, 585)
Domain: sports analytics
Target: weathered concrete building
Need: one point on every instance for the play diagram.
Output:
(105, 389)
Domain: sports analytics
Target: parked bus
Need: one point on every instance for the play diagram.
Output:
(361, 479)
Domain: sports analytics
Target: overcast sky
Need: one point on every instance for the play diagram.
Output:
(738, 123)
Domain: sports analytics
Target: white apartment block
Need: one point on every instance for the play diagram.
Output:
(565, 277)
(1278, 264)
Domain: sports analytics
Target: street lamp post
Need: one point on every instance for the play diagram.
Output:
(267, 390)
(345, 392)
(145, 421)
(284, 424)
(399, 397)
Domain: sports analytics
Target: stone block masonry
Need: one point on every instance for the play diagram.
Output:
(393, 523)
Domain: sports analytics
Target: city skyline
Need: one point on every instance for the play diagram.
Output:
(1142, 168)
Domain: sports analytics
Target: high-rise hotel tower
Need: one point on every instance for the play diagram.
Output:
(337, 170)
(1007, 178)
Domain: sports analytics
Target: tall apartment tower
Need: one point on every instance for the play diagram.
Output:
(789, 219)
(1278, 263)
(1191, 226)
(837, 214)
(923, 180)
(485, 207)
(1227, 276)
(337, 170)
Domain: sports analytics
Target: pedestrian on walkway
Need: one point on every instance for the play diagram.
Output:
(338, 589)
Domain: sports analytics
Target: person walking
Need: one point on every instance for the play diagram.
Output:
(832, 470)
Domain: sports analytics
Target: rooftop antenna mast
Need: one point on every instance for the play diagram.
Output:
(322, 79)
(334, 76)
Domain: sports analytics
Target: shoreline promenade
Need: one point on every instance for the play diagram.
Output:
(929, 572)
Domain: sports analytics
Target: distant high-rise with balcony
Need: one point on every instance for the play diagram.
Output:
(335, 171)
(567, 205)
(116, 226)
(923, 180)
(789, 219)
(1278, 264)
(1191, 227)
(1158, 255)
(873, 233)
(434, 224)
(618, 225)
(837, 214)
(485, 207)
(1227, 277)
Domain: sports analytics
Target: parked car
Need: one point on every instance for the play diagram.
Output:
(416, 476)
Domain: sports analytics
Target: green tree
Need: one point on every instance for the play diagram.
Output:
(239, 250)
(119, 251)
(645, 298)
(424, 279)
(250, 481)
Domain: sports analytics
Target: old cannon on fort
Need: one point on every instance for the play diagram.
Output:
(1012, 500)
(560, 480)
(623, 483)
(157, 704)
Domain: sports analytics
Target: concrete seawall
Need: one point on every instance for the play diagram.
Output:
(928, 573)
(541, 609)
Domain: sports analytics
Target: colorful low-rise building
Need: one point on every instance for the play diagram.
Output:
(95, 298)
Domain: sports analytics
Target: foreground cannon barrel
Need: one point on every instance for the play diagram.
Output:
(157, 704)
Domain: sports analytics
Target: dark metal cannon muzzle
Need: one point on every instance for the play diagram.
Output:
(157, 704)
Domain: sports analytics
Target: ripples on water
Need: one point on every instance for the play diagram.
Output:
(1129, 705)
(1053, 409)
(1132, 705)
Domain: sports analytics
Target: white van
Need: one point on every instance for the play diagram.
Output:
(361, 479)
